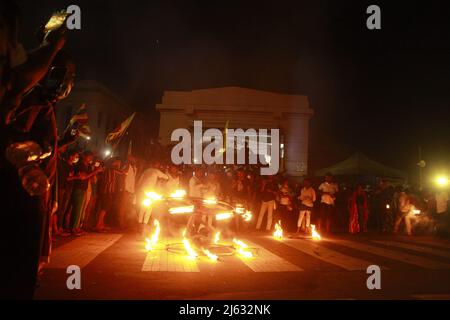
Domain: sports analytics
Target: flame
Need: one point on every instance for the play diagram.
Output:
(240, 209)
(278, 234)
(217, 238)
(32, 158)
(210, 255)
(178, 194)
(153, 196)
(191, 252)
(248, 216)
(181, 210)
(147, 203)
(224, 216)
(187, 246)
(314, 233)
(242, 249)
(150, 243)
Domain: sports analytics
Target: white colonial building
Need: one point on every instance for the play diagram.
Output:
(243, 108)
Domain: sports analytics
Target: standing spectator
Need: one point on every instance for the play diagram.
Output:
(405, 207)
(82, 174)
(358, 211)
(109, 192)
(269, 194)
(328, 190)
(241, 189)
(307, 198)
(442, 199)
(212, 187)
(285, 207)
(128, 195)
(89, 215)
(380, 205)
(65, 171)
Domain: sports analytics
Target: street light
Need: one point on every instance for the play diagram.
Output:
(442, 181)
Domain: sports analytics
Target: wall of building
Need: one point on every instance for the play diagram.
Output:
(243, 108)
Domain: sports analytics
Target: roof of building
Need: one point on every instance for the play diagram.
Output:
(361, 165)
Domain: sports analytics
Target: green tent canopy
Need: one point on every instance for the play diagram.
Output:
(360, 165)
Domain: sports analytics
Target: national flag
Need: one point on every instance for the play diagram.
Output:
(117, 133)
(80, 117)
(80, 122)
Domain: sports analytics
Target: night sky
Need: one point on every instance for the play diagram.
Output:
(381, 92)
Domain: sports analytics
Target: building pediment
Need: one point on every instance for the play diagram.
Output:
(236, 97)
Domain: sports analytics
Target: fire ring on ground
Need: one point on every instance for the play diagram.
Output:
(220, 250)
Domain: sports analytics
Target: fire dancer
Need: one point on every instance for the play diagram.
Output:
(148, 183)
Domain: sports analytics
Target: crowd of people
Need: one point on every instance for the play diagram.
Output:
(114, 190)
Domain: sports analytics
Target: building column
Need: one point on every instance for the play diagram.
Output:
(296, 144)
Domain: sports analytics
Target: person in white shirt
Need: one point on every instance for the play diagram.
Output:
(328, 190)
(307, 198)
(147, 183)
(405, 209)
(128, 196)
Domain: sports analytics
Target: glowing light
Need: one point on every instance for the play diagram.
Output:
(388, 206)
(210, 255)
(242, 249)
(210, 201)
(181, 210)
(56, 21)
(45, 155)
(224, 216)
(32, 158)
(147, 203)
(153, 196)
(108, 153)
(88, 138)
(178, 194)
(278, 234)
(314, 233)
(239, 209)
(217, 238)
(248, 216)
(416, 212)
(150, 243)
(442, 181)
